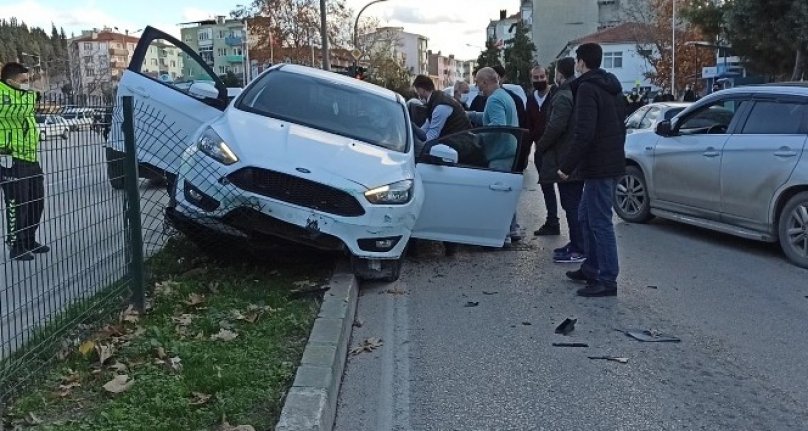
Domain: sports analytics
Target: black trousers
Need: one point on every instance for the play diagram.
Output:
(23, 187)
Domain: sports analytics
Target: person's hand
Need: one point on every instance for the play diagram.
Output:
(562, 175)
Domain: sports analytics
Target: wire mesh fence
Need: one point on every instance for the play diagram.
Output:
(75, 229)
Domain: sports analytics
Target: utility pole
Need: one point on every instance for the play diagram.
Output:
(673, 49)
(324, 33)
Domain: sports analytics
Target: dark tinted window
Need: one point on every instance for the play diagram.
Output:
(670, 113)
(714, 118)
(773, 118)
(328, 106)
(633, 121)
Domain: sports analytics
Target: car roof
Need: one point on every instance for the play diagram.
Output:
(341, 79)
(784, 88)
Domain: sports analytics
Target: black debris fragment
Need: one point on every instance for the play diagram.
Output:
(472, 304)
(651, 336)
(567, 326)
(570, 345)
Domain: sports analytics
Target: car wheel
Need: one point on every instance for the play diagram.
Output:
(376, 269)
(631, 201)
(793, 229)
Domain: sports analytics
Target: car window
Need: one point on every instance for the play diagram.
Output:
(328, 106)
(773, 118)
(714, 118)
(672, 112)
(172, 66)
(650, 118)
(633, 121)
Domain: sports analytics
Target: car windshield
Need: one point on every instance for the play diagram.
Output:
(670, 113)
(328, 106)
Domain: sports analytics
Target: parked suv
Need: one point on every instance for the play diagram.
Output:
(734, 162)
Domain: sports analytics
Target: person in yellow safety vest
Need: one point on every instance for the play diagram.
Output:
(22, 182)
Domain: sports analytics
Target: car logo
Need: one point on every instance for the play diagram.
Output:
(303, 170)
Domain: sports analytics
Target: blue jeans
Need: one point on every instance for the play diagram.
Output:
(600, 244)
(570, 194)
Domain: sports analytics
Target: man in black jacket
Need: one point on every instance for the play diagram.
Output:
(598, 156)
(445, 115)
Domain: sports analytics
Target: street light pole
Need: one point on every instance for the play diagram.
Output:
(356, 26)
(673, 49)
(324, 32)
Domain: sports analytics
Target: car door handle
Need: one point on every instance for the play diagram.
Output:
(785, 152)
(711, 152)
(139, 91)
(499, 187)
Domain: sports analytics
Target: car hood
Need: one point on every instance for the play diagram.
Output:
(302, 151)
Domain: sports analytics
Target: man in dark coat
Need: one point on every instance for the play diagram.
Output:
(538, 107)
(596, 154)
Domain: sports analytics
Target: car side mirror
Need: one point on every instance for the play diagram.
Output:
(445, 154)
(664, 128)
(204, 90)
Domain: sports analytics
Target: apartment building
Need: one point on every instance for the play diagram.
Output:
(442, 69)
(163, 61)
(98, 59)
(410, 48)
(465, 70)
(220, 42)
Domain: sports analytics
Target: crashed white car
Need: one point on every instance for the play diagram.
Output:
(322, 159)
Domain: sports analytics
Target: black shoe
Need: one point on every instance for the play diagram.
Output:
(548, 229)
(579, 275)
(38, 248)
(21, 254)
(597, 290)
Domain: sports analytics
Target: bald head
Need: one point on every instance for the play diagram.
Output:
(487, 80)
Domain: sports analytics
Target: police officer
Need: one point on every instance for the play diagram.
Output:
(22, 182)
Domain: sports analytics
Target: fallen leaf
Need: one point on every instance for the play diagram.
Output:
(224, 324)
(65, 390)
(195, 299)
(224, 335)
(161, 353)
(165, 288)
(87, 347)
(120, 383)
(396, 291)
(200, 336)
(218, 371)
(194, 272)
(129, 315)
(70, 377)
(368, 345)
(302, 284)
(105, 352)
(183, 319)
(175, 363)
(117, 366)
(199, 399)
(227, 427)
(32, 419)
(214, 287)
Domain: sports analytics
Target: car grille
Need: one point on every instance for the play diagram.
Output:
(296, 190)
(254, 222)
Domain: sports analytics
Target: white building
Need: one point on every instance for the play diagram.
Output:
(98, 60)
(558, 21)
(620, 53)
(163, 60)
(465, 70)
(502, 31)
(410, 48)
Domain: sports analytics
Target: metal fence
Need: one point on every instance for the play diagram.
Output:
(78, 225)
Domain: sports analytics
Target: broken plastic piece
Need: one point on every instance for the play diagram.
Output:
(570, 345)
(651, 336)
(610, 358)
(472, 304)
(567, 326)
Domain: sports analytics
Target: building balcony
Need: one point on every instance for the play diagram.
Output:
(117, 65)
(234, 40)
(118, 52)
(205, 42)
(234, 58)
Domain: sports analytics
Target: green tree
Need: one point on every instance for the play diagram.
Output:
(489, 57)
(519, 57)
(771, 35)
(230, 79)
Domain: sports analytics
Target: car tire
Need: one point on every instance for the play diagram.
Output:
(390, 269)
(631, 200)
(115, 169)
(792, 229)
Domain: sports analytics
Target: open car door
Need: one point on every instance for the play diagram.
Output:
(471, 186)
(175, 91)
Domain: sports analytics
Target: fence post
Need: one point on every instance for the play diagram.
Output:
(134, 224)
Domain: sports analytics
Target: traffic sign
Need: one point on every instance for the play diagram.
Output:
(356, 54)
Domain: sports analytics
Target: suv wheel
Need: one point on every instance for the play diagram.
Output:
(631, 201)
(793, 229)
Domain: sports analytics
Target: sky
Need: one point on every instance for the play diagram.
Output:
(450, 25)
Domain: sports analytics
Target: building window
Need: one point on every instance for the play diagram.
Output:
(173, 63)
(612, 60)
(237, 51)
(221, 34)
(221, 52)
(88, 46)
(222, 70)
(154, 62)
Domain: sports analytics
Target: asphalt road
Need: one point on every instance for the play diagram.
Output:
(84, 225)
(738, 307)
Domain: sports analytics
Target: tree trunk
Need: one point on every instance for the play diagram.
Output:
(799, 63)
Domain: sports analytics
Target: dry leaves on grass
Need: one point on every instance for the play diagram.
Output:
(105, 352)
(368, 345)
(32, 419)
(67, 383)
(253, 313)
(227, 427)
(224, 335)
(303, 284)
(130, 315)
(198, 399)
(120, 383)
(87, 347)
(184, 319)
(165, 288)
(117, 366)
(195, 299)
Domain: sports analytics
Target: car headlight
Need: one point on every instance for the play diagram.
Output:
(212, 144)
(392, 194)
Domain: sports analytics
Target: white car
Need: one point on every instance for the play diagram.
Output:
(52, 126)
(78, 118)
(321, 159)
(647, 117)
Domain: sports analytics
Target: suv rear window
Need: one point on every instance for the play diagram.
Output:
(775, 118)
(328, 106)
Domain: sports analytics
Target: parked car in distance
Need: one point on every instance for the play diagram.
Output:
(315, 158)
(79, 118)
(647, 117)
(736, 162)
(52, 126)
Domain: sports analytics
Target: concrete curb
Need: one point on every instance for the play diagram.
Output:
(311, 403)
